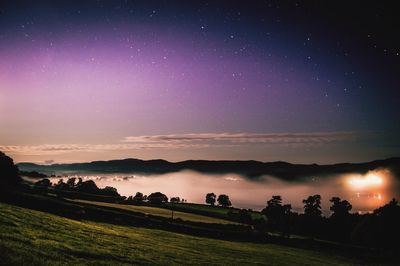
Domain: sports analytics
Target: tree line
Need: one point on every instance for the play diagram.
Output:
(379, 228)
(223, 200)
(90, 187)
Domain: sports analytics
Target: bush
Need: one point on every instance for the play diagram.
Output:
(9, 175)
(157, 198)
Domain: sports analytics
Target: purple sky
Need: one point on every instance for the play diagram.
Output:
(79, 83)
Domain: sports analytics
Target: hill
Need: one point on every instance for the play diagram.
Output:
(38, 238)
(251, 169)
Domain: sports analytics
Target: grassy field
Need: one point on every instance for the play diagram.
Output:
(30, 237)
(159, 212)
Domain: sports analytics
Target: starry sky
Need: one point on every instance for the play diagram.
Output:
(298, 81)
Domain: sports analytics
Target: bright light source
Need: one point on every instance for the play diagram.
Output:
(365, 182)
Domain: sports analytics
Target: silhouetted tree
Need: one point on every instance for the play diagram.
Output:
(312, 217)
(273, 209)
(71, 182)
(278, 215)
(224, 200)
(79, 183)
(157, 198)
(61, 185)
(88, 186)
(390, 209)
(340, 208)
(379, 229)
(45, 183)
(175, 200)
(8, 172)
(388, 220)
(340, 221)
(312, 206)
(138, 198)
(211, 198)
(109, 191)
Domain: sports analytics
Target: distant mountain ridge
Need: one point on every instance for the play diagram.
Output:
(251, 169)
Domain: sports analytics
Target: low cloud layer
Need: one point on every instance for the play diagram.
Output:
(196, 141)
(245, 193)
(274, 138)
(65, 148)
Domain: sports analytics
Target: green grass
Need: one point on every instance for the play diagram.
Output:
(30, 237)
(159, 212)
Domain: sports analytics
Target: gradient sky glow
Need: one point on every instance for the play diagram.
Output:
(198, 80)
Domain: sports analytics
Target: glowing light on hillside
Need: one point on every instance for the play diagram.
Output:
(371, 180)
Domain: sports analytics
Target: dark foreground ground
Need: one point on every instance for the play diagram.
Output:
(37, 238)
(47, 230)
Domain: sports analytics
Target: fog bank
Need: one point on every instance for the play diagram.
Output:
(365, 192)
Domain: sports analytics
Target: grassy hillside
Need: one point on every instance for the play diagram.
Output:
(37, 238)
(159, 212)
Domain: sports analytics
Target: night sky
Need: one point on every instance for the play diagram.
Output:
(299, 81)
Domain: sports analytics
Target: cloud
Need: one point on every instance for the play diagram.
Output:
(51, 149)
(242, 138)
(194, 141)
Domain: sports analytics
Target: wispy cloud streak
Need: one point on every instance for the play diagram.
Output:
(47, 149)
(272, 138)
(194, 141)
